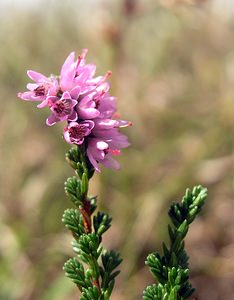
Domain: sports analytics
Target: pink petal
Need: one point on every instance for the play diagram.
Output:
(28, 96)
(87, 100)
(93, 161)
(106, 123)
(67, 64)
(43, 104)
(66, 95)
(75, 92)
(73, 116)
(72, 124)
(110, 162)
(54, 87)
(51, 120)
(68, 72)
(88, 113)
(32, 86)
(102, 145)
(73, 102)
(37, 77)
(67, 136)
(52, 99)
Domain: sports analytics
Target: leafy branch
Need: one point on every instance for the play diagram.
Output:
(93, 269)
(171, 269)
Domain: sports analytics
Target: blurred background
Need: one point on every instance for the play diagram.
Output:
(173, 74)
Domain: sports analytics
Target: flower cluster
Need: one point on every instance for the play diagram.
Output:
(84, 102)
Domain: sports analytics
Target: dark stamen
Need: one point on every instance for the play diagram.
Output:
(39, 91)
(79, 131)
(59, 107)
(62, 107)
(59, 93)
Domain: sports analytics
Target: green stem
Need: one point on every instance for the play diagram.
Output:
(86, 217)
(86, 213)
(87, 231)
(171, 269)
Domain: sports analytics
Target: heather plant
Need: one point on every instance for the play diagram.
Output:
(171, 270)
(83, 101)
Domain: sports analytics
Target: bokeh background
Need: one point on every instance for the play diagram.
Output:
(173, 74)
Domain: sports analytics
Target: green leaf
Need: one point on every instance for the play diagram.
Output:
(155, 292)
(89, 244)
(171, 270)
(75, 271)
(73, 157)
(101, 223)
(174, 293)
(90, 293)
(84, 185)
(93, 204)
(73, 220)
(73, 190)
(110, 261)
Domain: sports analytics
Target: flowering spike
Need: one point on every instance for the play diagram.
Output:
(84, 103)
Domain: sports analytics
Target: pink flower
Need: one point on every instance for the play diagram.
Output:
(90, 106)
(102, 149)
(62, 109)
(107, 106)
(97, 152)
(68, 72)
(106, 142)
(87, 108)
(42, 87)
(75, 73)
(75, 132)
(84, 102)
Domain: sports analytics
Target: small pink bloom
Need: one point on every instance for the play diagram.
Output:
(107, 106)
(105, 142)
(68, 72)
(62, 109)
(42, 87)
(75, 132)
(87, 108)
(90, 105)
(75, 73)
(98, 152)
(83, 75)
